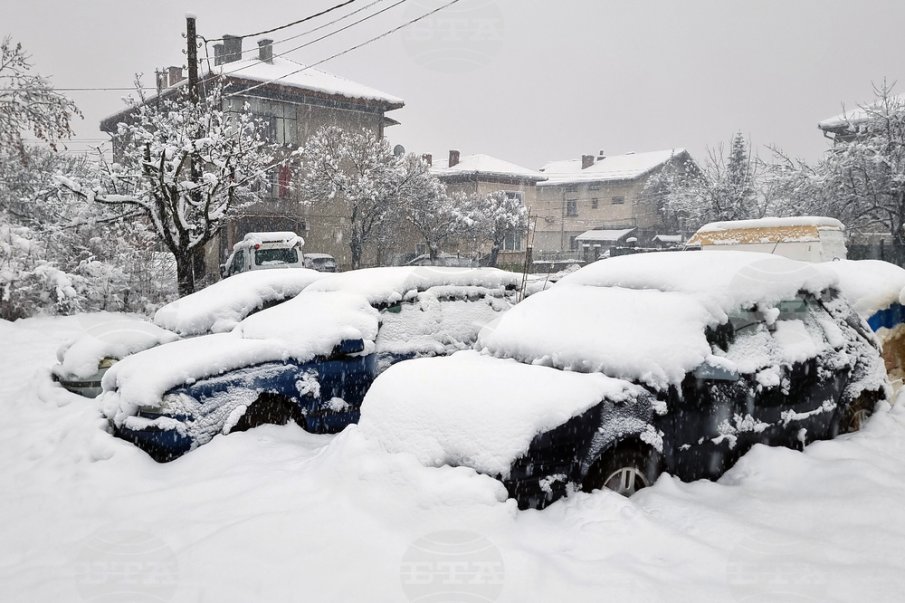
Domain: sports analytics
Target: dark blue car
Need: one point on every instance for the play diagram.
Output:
(310, 360)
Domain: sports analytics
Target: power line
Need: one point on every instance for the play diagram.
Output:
(223, 72)
(348, 50)
(308, 18)
(312, 30)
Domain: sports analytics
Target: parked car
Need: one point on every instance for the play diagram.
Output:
(633, 366)
(310, 360)
(873, 288)
(322, 262)
(215, 309)
(264, 251)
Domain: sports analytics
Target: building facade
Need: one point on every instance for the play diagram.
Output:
(293, 101)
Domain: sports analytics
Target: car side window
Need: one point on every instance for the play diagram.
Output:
(238, 262)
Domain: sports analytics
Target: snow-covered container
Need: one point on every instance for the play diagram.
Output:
(804, 238)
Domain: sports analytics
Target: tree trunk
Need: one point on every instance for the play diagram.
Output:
(185, 274)
(494, 253)
(355, 248)
(434, 252)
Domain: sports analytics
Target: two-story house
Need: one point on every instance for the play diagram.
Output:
(587, 205)
(294, 101)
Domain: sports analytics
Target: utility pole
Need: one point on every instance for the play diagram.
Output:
(191, 53)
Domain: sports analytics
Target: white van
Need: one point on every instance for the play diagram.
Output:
(265, 250)
(805, 238)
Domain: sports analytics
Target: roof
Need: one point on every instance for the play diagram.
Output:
(617, 167)
(765, 230)
(668, 238)
(608, 236)
(485, 165)
(297, 75)
(859, 114)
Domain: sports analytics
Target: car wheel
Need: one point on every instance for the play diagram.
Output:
(855, 416)
(269, 409)
(624, 469)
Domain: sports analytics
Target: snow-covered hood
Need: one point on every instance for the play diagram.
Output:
(309, 325)
(224, 304)
(474, 410)
(116, 339)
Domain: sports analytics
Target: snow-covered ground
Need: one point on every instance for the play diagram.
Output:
(276, 514)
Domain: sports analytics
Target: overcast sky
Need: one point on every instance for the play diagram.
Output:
(524, 80)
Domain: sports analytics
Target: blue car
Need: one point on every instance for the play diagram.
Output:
(310, 360)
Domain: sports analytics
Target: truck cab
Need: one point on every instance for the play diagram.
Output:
(264, 251)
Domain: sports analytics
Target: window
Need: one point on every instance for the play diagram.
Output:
(618, 200)
(573, 243)
(278, 120)
(513, 242)
(238, 263)
(284, 182)
(514, 195)
(594, 186)
(595, 203)
(571, 208)
(279, 255)
(572, 188)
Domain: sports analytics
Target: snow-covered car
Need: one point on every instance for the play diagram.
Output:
(874, 288)
(216, 309)
(310, 359)
(264, 251)
(322, 262)
(674, 362)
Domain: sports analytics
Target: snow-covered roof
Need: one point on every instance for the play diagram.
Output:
(418, 407)
(859, 114)
(296, 75)
(391, 284)
(772, 222)
(616, 167)
(604, 236)
(613, 315)
(485, 165)
(868, 285)
(665, 238)
(221, 306)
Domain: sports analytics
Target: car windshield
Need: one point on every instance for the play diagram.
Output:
(280, 255)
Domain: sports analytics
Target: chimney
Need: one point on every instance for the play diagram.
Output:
(453, 158)
(218, 54)
(428, 159)
(601, 156)
(265, 50)
(587, 161)
(232, 48)
(174, 75)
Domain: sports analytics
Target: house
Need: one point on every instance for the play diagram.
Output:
(586, 205)
(294, 101)
(850, 123)
(481, 175)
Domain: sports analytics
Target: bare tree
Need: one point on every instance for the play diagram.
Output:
(161, 142)
(493, 219)
(28, 102)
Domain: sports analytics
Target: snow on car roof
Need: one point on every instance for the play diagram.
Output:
(116, 338)
(772, 222)
(730, 278)
(418, 407)
(391, 284)
(301, 328)
(643, 318)
(868, 285)
(221, 306)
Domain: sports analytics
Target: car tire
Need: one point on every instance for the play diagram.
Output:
(268, 409)
(856, 413)
(625, 469)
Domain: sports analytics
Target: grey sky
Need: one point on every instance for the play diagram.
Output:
(541, 80)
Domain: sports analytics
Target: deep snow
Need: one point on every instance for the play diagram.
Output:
(276, 514)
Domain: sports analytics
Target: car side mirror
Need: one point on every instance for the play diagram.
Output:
(349, 346)
(223, 271)
(716, 369)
